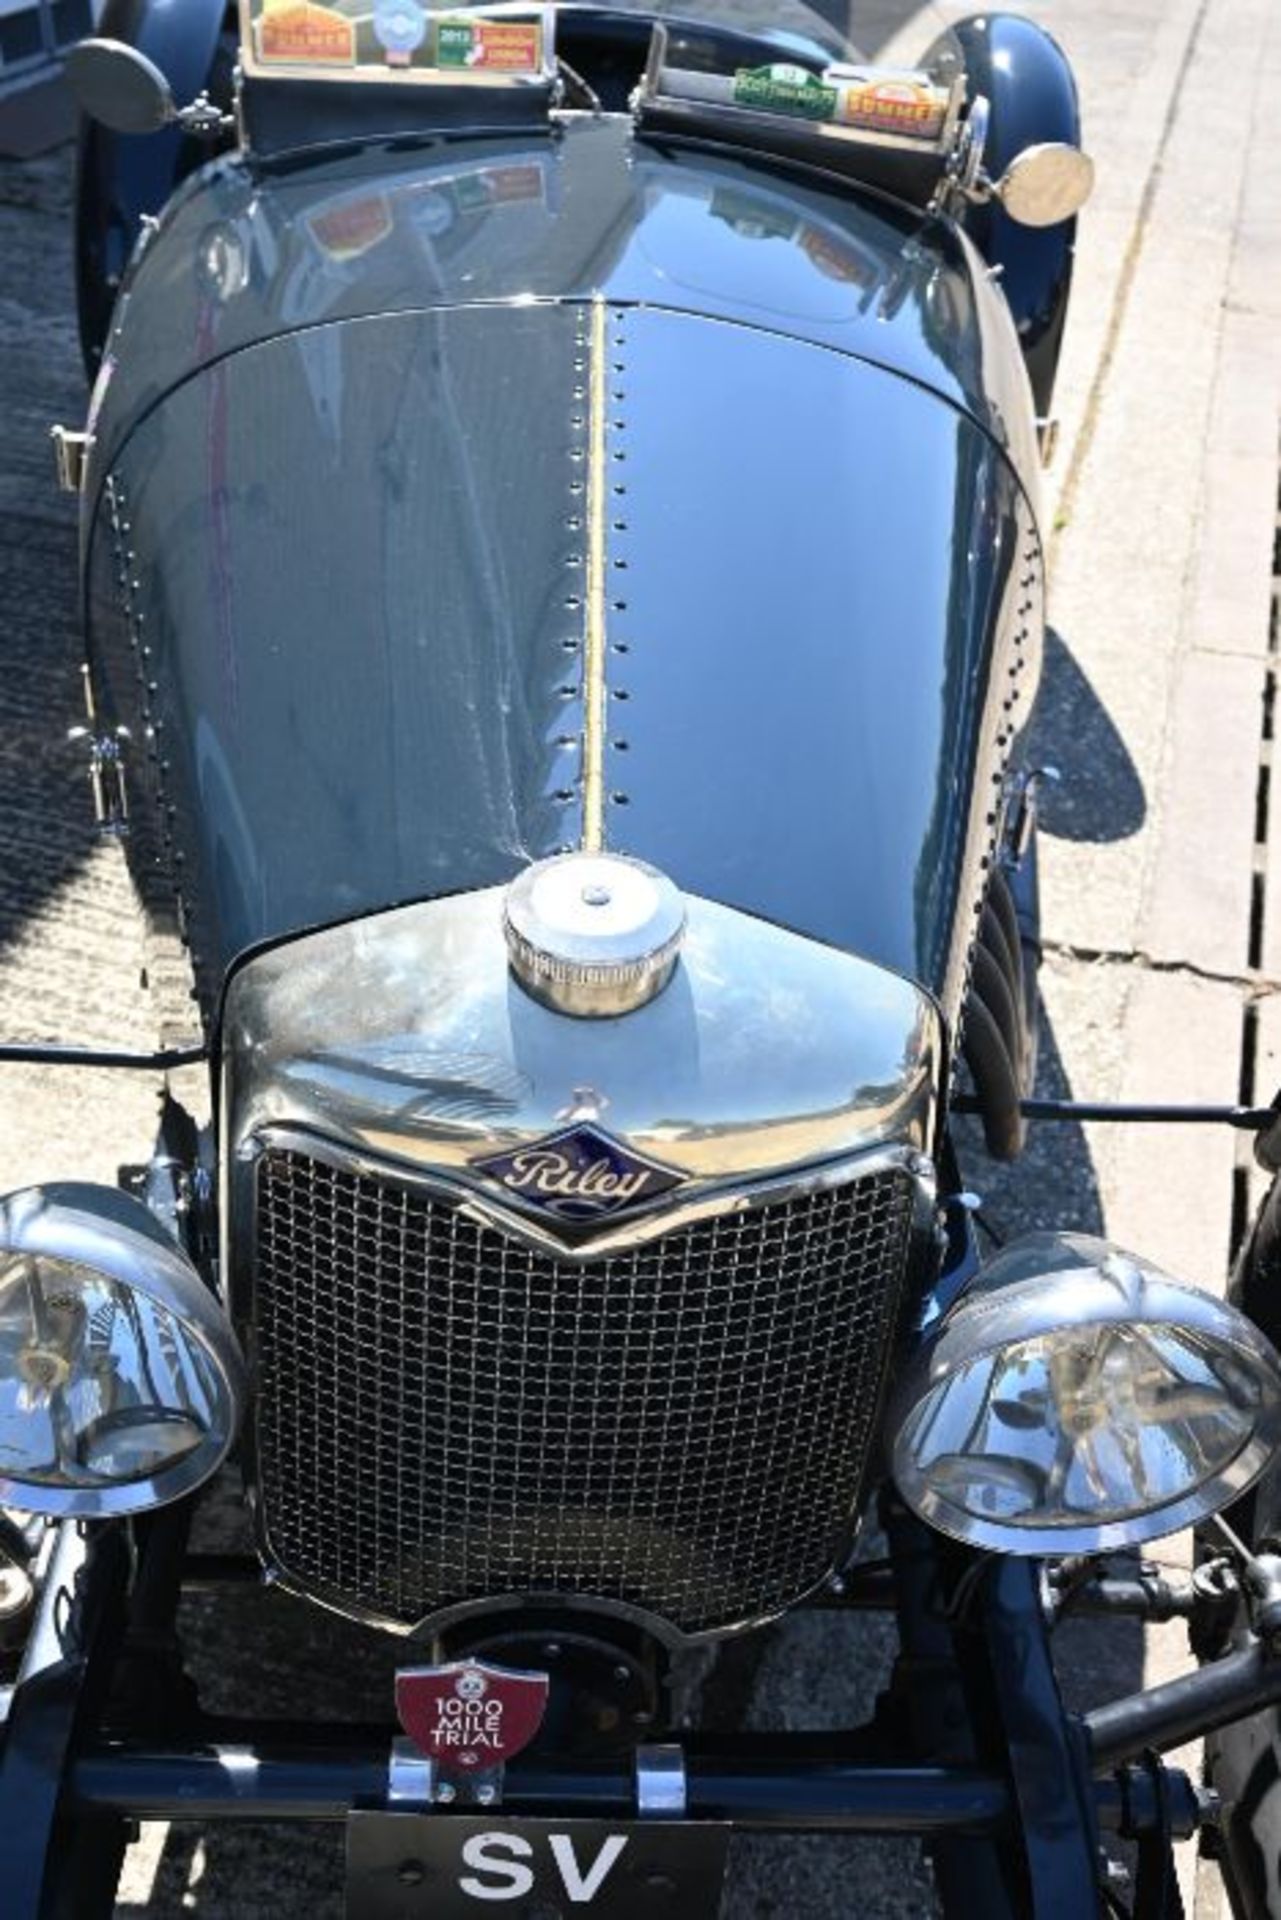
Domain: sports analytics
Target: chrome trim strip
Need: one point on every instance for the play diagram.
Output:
(494, 1608)
(411, 1775)
(489, 1212)
(594, 694)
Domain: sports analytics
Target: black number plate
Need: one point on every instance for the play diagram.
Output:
(443, 1866)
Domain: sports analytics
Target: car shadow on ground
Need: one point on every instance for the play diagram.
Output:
(1104, 800)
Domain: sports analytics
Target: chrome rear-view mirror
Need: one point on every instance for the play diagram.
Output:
(1045, 184)
(119, 86)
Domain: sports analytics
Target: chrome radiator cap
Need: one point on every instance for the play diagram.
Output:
(593, 934)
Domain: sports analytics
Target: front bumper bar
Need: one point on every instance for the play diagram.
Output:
(233, 1772)
(243, 1778)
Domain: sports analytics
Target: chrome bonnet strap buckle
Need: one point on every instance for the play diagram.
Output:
(662, 1792)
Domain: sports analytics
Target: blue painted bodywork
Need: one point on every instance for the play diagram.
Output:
(122, 178)
(1028, 82)
(344, 430)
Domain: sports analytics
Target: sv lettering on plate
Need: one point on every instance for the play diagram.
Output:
(502, 1857)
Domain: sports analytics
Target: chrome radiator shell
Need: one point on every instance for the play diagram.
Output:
(764, 1293)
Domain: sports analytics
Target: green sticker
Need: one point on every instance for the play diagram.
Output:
(454, 42)
(784, 89)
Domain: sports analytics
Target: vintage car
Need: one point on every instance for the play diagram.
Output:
(564, 598)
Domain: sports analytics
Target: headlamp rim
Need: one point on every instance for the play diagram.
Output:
(996, 1314)
(111, 1234)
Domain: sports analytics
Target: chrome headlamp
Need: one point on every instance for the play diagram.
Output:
(121, 1384)
(1078, 1400)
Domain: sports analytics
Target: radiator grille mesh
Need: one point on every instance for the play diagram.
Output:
(446, 1414)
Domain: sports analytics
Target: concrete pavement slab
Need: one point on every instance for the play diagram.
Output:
(1231, 599)
(1130, 63)
(1197, 902)
(39, 355)
(1254, 285)
(1248, 390)
(1167, 1190)
(1127, 555)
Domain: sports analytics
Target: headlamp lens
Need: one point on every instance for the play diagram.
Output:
(1093, 1406)
(97, 1381)
(121, 1383)
(1096, 1423)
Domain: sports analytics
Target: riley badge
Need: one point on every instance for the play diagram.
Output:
(580, 1175)
(469, 1715)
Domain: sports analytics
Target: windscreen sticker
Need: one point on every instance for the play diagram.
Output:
(502, 46)
(400, 27)
(390, 40)
(885, 101)
(908, 104)
(300, 33)
(784, 89)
